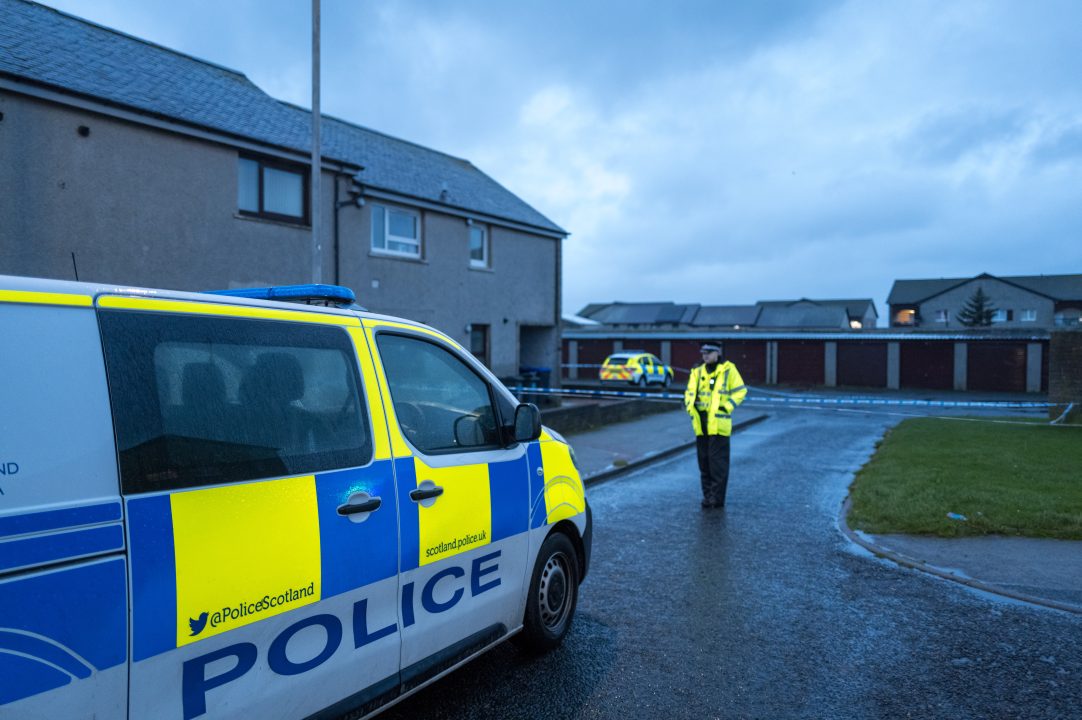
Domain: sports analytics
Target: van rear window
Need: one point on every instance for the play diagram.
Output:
(203, 400)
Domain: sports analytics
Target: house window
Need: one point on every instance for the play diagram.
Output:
(272, 189)
(905, 317)
(478, 247)
(1029, 316)
(1002, 316)
(479, 342)
(1068, 317)
(396, 231)
(942, 316)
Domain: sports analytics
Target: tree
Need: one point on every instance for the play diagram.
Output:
(978, 311)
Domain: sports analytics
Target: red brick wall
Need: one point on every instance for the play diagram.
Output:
(1065, 373)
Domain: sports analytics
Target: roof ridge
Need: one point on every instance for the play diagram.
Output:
(141, 41)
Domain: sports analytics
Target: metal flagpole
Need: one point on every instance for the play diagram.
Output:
(314, 204)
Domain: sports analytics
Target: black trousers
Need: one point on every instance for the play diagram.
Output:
(713, 452)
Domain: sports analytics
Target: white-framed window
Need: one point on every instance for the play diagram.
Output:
(396, 231)
(1029, 316)
(478, 247)
(1002, 316)
(942, 316)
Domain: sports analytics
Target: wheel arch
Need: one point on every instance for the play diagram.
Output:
(581, 545)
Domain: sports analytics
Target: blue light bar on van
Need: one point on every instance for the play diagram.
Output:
(295, 293)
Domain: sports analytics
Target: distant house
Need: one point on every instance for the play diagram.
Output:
(128, 162)
(1033, 302)
(819, 314)
(802, 314)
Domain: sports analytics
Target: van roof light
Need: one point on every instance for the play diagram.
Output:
(310, 294)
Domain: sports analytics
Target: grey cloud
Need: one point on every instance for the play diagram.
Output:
(945, 137)
(1064, 146)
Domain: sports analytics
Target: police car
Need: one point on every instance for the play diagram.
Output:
(231, 507)
(635, 368)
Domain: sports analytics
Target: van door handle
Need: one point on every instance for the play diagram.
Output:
(363, 506)
(427, 491)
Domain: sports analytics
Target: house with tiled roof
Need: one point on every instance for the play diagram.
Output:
(1030, 302)
(127, 162)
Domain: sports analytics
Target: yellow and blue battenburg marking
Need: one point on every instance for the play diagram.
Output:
(44, 644)
(484, 504)
(210, 560)
(556, 492)
(61, 626)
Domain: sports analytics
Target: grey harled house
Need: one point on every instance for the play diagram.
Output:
(156, 168)
(1029, 302)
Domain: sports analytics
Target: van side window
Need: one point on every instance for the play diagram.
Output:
(204, 400)
(441, 404)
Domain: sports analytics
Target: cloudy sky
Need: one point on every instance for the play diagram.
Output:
(711, 152)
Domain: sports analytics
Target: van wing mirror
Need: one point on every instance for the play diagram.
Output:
(468, 432)
(527, 422)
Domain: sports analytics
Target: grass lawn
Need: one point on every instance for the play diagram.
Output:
(1005, 479)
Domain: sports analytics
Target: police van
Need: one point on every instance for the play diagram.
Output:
(230, 506)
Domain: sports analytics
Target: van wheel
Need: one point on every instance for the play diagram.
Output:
(554, 592)
(667, 381)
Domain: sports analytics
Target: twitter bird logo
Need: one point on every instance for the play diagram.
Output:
(197, 625)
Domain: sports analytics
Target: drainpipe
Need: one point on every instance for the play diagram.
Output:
(356, 192)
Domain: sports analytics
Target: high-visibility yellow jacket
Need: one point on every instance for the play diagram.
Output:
(716, 393)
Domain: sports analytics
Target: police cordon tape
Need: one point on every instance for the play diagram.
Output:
(761, 395)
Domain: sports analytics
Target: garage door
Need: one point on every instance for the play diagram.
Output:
(749, 356)
(927, 365)
(800, 362)
(996, 367)
(862, 364)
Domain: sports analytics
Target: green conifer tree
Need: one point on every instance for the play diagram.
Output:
(978, 311)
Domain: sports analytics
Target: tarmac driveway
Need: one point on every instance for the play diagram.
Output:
(765, 610)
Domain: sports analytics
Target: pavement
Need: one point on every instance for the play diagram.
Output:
(1034, 570)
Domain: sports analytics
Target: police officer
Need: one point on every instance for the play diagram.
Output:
(714, 389)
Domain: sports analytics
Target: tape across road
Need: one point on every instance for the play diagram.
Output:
(762, 396)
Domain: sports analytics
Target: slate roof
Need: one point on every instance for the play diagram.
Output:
(855, 308)
(803, 313)
(65, 53)
(802, 316)
(726, 316)
(663, 313)
(1057, 287)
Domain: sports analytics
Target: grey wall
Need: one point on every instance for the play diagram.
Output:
(441, 289)
(1003, 296)
(141, 206)
(136, 205)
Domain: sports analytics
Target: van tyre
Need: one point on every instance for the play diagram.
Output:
(554, 593)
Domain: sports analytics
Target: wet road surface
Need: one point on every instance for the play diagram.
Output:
(764, 610)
